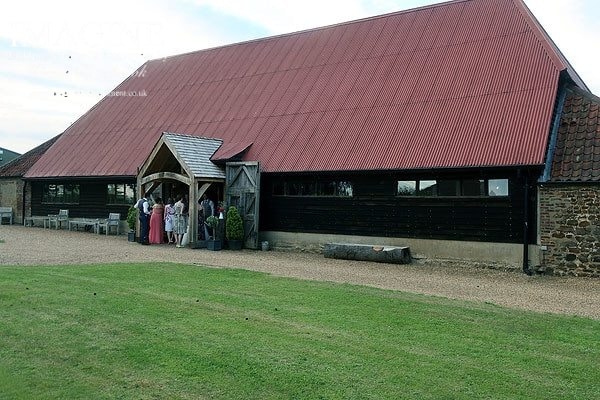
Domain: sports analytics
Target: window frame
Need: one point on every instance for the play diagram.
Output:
(432, 190)
(342, 188)
(64, 193)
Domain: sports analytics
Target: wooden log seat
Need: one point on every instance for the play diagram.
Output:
(365, 252)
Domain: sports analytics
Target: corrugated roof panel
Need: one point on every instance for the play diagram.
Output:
(429, 74)
(362, 76)
(298, 57)
(374, 30)
(376, 135)
(394, 79)
(340, 93)
(342, 152)
(356, 40)
(315, 98)
(336, 52)
(331, 138)
(417, 30)
(435, 21)
(451, 85)
(381, 45)
(274, 147)
(411, 77)
(312, 88)
(380, 78)
(449, 24)
(315, 144)
(298, 144)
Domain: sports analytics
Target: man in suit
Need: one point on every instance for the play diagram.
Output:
(144, 216)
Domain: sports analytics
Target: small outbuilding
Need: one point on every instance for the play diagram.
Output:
(569, 192)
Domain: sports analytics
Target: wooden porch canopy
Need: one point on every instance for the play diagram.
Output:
(185, 159)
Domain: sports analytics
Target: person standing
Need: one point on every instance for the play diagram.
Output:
(169, 217)
(144, 216)
(180, 225)
(208, 209)
(157, 230)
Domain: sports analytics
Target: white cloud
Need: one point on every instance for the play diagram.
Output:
(573, 26)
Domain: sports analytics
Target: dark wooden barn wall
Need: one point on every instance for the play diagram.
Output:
(375, 210)
(92, 200)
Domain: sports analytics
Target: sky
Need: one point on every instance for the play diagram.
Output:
(58, 58)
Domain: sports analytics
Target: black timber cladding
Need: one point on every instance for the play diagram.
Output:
(92, 199)
(376, 210)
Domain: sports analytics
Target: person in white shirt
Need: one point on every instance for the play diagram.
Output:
(144, 216)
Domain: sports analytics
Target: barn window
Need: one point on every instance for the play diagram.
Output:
(453, 188)
(427, 188)
(313, 187)
(498, 187)
(120, 193)
(406, 188)
(60, 194)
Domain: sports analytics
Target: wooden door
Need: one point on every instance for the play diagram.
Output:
(242, 188)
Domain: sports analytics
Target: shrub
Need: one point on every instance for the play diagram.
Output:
(212, 222)
(234, 227)
(131, 217)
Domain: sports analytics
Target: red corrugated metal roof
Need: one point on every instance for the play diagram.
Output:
(459, 84)
(19, 166)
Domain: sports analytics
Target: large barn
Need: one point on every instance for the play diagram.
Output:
(428, 127)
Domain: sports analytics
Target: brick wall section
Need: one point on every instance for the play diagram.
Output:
(11, 195)
(570, 228)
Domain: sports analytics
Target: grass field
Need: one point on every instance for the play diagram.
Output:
(169, 331)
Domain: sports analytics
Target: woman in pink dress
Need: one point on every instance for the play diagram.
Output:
(157, 230)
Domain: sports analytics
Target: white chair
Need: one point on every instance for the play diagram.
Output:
(114, 219)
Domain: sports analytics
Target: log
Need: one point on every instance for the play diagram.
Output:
(365, 252)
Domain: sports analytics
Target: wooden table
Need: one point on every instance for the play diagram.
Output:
(33, 218)
(84, 222)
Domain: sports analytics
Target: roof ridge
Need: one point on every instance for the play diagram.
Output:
(546, 39)
(315, 29)
(584, 93)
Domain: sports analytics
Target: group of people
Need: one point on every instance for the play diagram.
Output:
(170, 218)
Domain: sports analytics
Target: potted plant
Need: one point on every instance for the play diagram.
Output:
(213, 243)
(131, 220)
(234, 229)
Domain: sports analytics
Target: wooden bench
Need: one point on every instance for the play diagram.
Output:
(84, 222)
(114, 220)
(6, 212)
(58, 219)
(30, 221)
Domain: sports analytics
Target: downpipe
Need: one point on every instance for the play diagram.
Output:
(526, 268)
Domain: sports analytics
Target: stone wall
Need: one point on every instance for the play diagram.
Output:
(570, 230)
(11, 195)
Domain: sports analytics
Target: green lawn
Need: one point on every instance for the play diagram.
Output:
(169, 331)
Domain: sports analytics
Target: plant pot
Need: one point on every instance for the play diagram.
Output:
(234, 244)
(131, 236)
(213, 245)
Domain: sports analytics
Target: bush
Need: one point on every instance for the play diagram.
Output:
(132, 217)
(234, 227)
(212, 222)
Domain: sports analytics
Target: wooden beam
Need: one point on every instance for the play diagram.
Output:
(160, 176)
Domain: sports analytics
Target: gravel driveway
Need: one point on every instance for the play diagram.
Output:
(567, 295)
